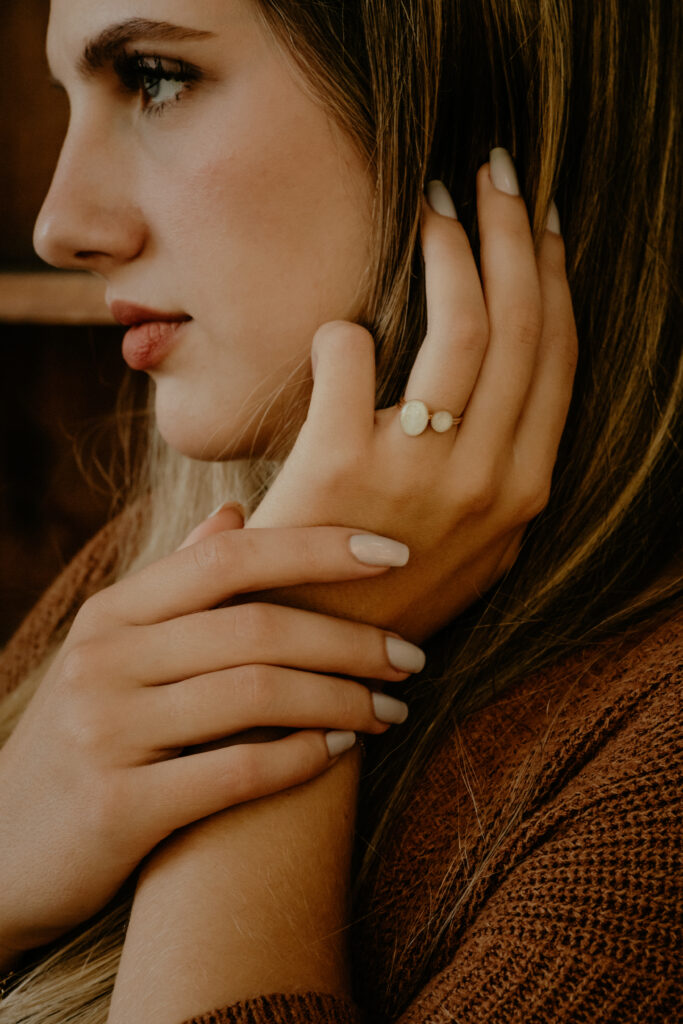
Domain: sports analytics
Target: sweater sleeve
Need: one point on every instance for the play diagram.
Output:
(304, 1008)
(586, 926)
(581, 923)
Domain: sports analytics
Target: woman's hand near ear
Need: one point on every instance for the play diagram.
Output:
(501, 351)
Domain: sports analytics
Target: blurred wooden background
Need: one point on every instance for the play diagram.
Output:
(59, 382)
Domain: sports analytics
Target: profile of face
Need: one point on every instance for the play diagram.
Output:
(203, 179)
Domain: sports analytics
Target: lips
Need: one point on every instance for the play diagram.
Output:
(151, 335)
(130, 315)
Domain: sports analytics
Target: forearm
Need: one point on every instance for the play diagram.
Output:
(247, 902)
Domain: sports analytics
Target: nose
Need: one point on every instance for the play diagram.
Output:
(89, 219)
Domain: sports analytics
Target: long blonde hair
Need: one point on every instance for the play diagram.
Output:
(584, 97)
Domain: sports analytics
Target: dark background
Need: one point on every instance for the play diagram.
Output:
(58, 383)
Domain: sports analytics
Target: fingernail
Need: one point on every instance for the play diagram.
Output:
(371, 549)
(404, 656)
(502, 171)
(439, 198)
(553, 221)
(339, 741)
(227, 504)
(388, 709)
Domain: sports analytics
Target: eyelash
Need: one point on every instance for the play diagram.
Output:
(139, 73)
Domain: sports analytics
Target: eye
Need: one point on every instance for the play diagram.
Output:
(158, 80)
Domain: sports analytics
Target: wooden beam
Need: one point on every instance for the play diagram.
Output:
(53, 297)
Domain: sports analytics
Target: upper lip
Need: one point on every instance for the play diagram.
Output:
(129, 314)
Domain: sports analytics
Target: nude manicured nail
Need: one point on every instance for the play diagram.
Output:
(339, 741)
(388, 709)
(371, 549)
(553, 221)
(404, 656)
(439, 198)
(502, 170)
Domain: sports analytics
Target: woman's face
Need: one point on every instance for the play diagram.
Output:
(202, 179)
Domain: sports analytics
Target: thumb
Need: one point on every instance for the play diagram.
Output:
(342, 402)
(229, 516)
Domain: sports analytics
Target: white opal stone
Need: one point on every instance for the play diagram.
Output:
(414, 418)
(442, 421)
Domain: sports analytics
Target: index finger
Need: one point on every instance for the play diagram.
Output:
(242, 561)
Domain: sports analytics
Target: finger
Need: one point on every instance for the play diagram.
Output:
(259, 633)
(513, 300)
(342, 407)
(169, 794)
(239, 561)
(451, 354)
(542, 423)
(229, 516)
(224, 703)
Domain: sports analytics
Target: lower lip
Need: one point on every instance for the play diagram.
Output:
(146, 345)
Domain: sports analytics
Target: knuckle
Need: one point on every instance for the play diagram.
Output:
(78, 665)
(365, 646)
(524, 320)
(256, 685)
(352, 704)
(254, 622)
(216, 552)
(245, 771)
(472, 333)
(315, 551)
(92, 613)
(533, 501)
(479, 494)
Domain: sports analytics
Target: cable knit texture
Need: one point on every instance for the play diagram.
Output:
(566, 789)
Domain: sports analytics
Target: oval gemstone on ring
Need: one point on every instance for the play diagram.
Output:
(414, 417)
(442, 421)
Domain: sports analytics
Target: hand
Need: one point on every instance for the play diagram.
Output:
(91, 780)
(503, 350)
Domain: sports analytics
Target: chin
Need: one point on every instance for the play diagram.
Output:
(199, 435)
(203, 428)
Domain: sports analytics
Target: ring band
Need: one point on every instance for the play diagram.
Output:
(415, 418)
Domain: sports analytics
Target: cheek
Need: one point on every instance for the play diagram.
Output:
(270, 220)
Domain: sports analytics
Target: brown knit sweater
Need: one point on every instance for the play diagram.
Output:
(577, 915)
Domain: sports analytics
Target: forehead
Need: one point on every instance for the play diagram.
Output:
(75, 25)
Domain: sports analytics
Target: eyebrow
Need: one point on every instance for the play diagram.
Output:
(101, 50)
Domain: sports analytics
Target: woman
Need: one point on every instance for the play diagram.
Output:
(250, 174)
